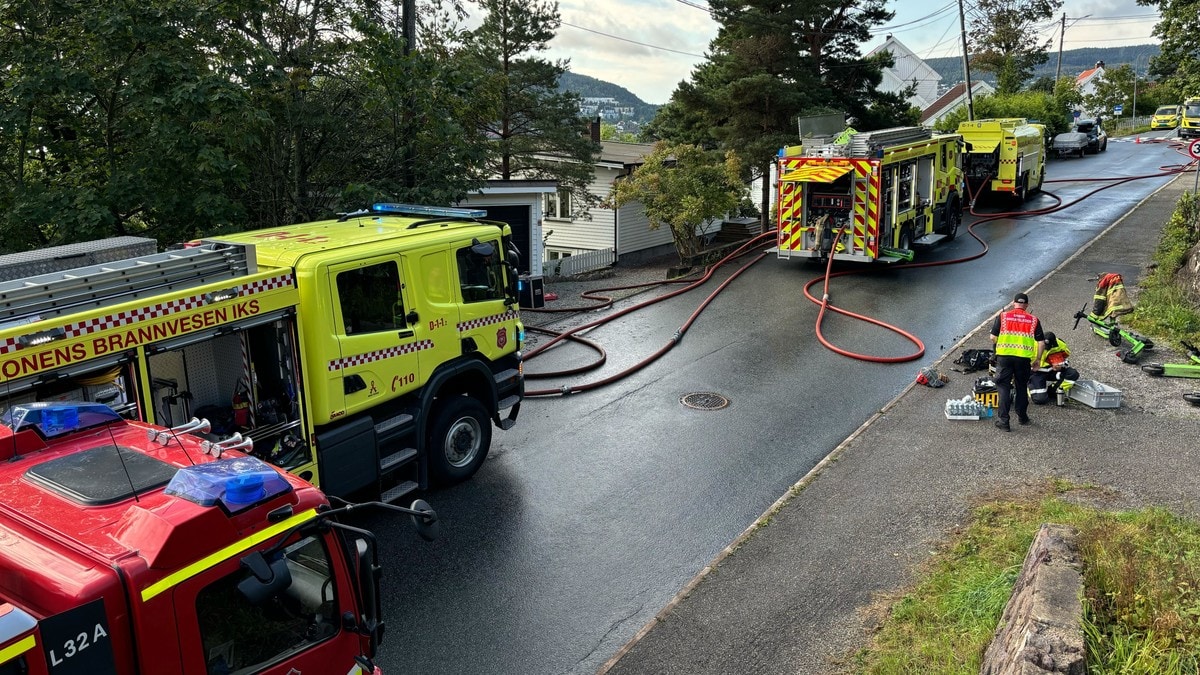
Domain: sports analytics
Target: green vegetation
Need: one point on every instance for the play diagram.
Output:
(1164, 308)
(1048, 109)
(1141, 575)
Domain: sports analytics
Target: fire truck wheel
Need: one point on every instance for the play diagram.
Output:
(459, 439)
(906, 238)
(952, 218)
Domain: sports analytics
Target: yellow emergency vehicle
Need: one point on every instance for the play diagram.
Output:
(1189, 121)
(373, 352)
(886, 192)
(1006, 156)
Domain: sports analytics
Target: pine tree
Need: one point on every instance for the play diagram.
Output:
(534, 131)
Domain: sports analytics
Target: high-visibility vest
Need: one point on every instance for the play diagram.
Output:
(1017, 328)
(1055, 355)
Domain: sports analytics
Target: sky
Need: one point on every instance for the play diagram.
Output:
(649, 46)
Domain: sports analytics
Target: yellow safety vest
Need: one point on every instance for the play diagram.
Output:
(1017, 328)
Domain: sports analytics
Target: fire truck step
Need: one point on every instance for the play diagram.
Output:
(391, 423)
(508, 402)
(397, 492)
(929, 239)
(507, 374)
(397, 459)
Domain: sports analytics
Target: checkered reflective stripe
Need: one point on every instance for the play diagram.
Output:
(156, 311)
(379, 355)
(464, 326)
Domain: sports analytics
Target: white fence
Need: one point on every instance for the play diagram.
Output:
(579, 263)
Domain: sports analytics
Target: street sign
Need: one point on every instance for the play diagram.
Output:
(1117, 109)
(1194, 149)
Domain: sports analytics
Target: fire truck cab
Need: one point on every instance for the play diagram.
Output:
(130, 548)
(874, 198)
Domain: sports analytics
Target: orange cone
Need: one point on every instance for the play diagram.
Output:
(1137, 139)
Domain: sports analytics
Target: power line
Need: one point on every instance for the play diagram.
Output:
(635, 42)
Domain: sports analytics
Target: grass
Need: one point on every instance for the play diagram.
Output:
(1164, 308)
(1141, 591)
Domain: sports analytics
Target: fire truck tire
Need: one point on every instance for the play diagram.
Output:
(1041, 180)
(951, 218)
(459, 439)
(906, 238)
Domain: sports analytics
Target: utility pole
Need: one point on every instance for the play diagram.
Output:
(1062, 33)
(962, 23)
(410, 25)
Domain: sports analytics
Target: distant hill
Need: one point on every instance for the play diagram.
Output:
(1074, 62)
(590, 87)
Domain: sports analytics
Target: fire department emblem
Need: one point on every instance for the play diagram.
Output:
(501, 338)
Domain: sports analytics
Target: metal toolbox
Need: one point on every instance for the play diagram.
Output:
(1095, 394)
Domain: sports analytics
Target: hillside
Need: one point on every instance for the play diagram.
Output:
(1074, 61)
(590, 87)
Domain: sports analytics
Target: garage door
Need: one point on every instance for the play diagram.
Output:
(517, 218)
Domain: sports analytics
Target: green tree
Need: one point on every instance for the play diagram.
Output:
(682, 187)
(1054, 111)
(609, 132)
(1177, 67)
(772, 62)
(1003, 38)
(1113, 88)
(534, 131)
(112, 122)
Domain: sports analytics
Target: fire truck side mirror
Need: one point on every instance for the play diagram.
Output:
(367, 573)
(264, 579)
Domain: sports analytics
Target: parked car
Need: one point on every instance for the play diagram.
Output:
(1166, 117)
(1070, 143)
(1097, 138)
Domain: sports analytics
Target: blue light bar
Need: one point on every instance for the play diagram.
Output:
(414, 210)
(53, 419)
(235, 484)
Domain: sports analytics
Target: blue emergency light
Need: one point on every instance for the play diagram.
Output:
(235, 484)
(53, 419)
(415, 210)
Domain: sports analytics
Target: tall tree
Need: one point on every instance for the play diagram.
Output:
(1004, 39)
(533, 130)
(1177, 67)
(112, 122)
(772, 62)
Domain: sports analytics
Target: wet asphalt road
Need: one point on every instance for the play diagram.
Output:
(595, 509)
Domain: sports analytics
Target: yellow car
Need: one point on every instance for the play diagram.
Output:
(1166, 117)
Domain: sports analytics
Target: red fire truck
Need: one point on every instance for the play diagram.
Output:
(133, 548)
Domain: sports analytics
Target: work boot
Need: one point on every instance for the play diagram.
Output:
(1002, 425)
(1023, 420)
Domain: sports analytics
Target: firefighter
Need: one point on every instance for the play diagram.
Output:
(1052, 371)
(1019, 342)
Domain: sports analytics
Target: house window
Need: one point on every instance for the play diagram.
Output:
(558, 205)
(557, 255)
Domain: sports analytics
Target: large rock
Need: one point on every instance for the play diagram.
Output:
(1040, 631)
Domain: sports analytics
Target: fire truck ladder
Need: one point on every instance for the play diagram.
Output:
(865, 143)
(67, 292)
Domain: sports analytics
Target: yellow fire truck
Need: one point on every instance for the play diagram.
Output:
(373, 352)
(885, 191)
(1006, 156)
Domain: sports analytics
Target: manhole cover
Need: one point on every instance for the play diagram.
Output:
(704, 400)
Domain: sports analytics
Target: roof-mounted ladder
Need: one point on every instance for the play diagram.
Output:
(59, 293)
(862, 144)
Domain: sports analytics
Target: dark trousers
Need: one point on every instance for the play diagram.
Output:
(1043, 385)
(1012, 371)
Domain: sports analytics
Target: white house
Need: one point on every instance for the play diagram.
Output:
(907, 70)
(952, 100)
(1085, 82)
(625, 230)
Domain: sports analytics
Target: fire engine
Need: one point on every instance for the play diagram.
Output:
(371, 352)
(871, 199)
(134, 548)
(1005, 156)
(1189, 123)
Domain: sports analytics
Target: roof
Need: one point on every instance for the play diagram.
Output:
(899, 51)
(953, 97)
(1087, 75)
(624, 154)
